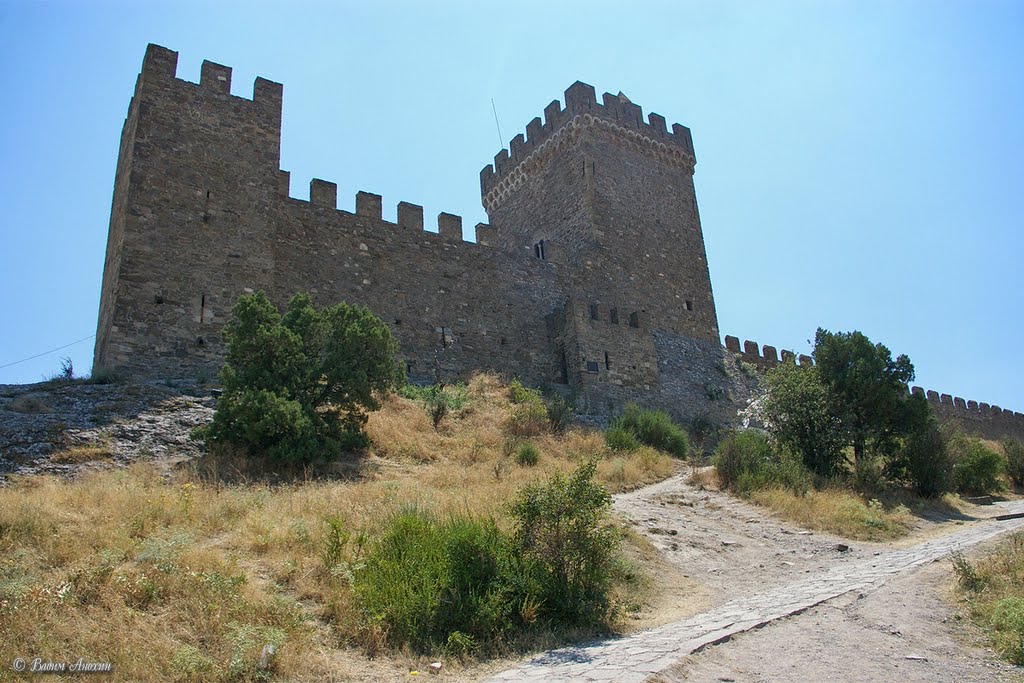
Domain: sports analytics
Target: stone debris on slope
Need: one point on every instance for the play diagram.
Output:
(132, 422)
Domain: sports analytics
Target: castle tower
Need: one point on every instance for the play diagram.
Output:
(196, 174)
(612, 198)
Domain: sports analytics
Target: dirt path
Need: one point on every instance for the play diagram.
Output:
(905, 631)
(803, 606)
(730, 547)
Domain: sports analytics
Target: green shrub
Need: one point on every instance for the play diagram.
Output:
(978, 470)
(425, 580)
(527, 454)
(652, 427)
(797, 414)
(1008, 621)
(1014, 460)
(520, 394)
(560, 413)
(439, 400)
(561, 531)
(298, 386)
(966, 574)
(621, 439)
(458, 585)
(527, 419)
(740, 452)
(746, 461)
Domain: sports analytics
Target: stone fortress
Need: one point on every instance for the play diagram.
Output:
(590, 278)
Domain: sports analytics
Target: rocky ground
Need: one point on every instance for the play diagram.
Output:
(41, 425)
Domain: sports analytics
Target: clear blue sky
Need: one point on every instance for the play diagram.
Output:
(858, 163)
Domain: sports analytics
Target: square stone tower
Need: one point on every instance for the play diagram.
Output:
(611, 198)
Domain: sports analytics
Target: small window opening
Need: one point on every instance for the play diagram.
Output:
(158, 299)
(593, 311)
(592, 366)
(408, 367)
(503, 341)
(689, 305)
(615, 316)
(200, 341)
(206, 209)
(607, 362)
(539, 250)
(634, 319)
(444, 337)
(202, 308)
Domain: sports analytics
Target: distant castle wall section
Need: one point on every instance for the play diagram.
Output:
(979, 419)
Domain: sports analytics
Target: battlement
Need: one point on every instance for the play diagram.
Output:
(324, 194)
(160, 66)
(981, 419)
(615, 114)
(751, 353)
(968, 407)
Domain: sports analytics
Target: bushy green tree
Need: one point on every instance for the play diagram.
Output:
(298, 386)
(797, 415)
(867, 390)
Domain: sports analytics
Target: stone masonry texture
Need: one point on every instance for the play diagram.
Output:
(591, 277)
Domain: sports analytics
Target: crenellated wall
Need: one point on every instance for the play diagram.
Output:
(615, 114)
(202, 214)
(980, 419)
(453, 305)
(591, 273)
(751, 353)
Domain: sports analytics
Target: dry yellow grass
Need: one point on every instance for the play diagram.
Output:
(838, 511)
(76, 455)
(188, 579)
(991, 591)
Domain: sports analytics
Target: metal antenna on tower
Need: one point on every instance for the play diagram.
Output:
(501, 140)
